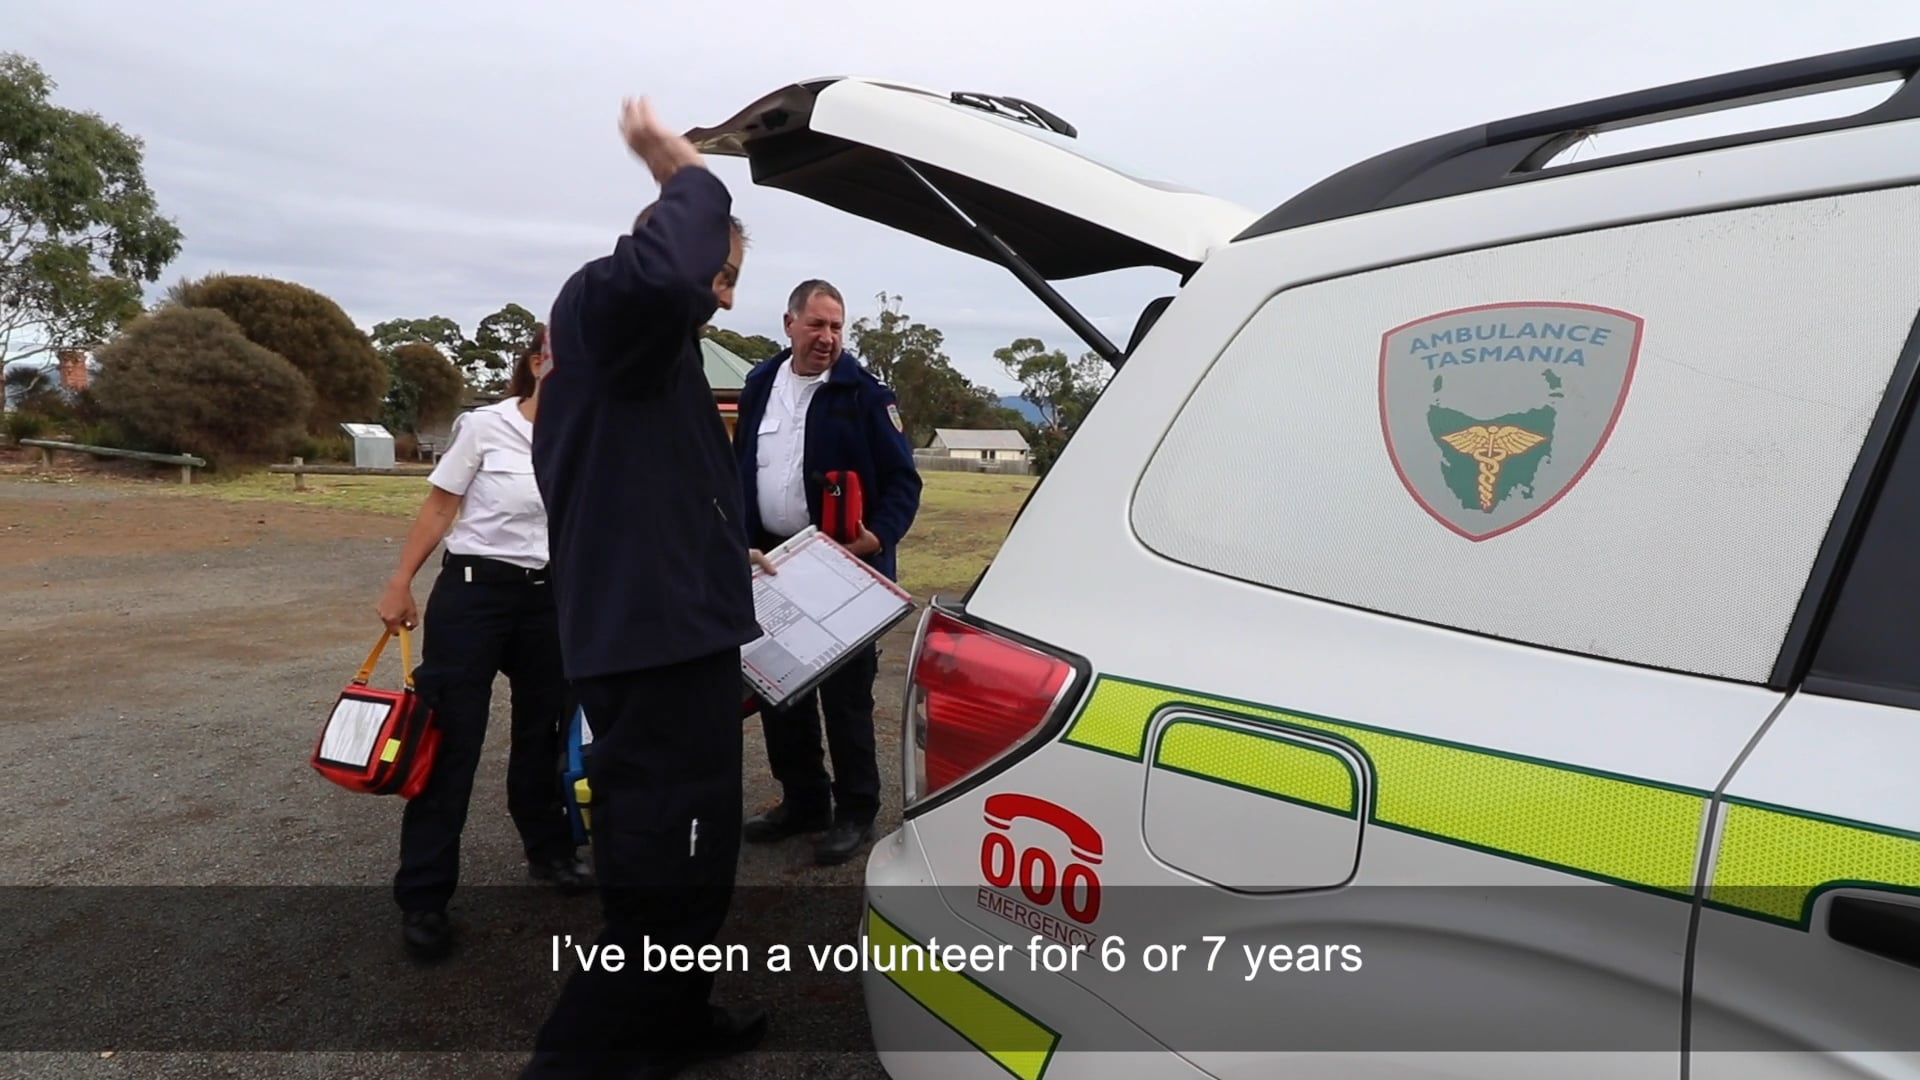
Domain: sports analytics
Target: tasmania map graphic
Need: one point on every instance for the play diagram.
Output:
(1491, 414)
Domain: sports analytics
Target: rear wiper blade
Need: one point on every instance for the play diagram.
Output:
(1020, 108)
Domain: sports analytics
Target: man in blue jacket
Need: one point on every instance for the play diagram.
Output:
(652, 577)
(806, 412)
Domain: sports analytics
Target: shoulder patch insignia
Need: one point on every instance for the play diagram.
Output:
(1492, 414)
(893, 414)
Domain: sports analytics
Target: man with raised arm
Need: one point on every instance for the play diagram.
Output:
(653, 581)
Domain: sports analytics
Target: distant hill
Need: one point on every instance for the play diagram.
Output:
(1022, 406)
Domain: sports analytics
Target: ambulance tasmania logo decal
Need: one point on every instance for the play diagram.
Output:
(1493, 413)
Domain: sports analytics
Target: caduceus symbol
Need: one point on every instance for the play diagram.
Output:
(1491, 446)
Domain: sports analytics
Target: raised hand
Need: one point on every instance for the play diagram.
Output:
(664, 150)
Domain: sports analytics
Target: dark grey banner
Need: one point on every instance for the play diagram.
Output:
(1195, 970)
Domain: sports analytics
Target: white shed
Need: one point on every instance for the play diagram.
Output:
(998, 444)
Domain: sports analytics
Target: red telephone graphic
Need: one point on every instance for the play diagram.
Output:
(1001, 862)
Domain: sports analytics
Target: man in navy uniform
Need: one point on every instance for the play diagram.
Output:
(653, 580)
(808, 411)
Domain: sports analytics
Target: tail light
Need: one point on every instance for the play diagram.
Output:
(973, 697)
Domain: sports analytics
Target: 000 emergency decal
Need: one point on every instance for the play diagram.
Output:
(1493, 413)
(1048, 879)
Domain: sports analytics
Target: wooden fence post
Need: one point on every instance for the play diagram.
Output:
(299, 481)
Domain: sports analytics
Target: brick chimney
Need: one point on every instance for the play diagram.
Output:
(73, 370)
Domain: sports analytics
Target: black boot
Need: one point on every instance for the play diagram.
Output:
(427, 934)
(569, 873)
(783, 821)
(841, 841)
(732, 1031)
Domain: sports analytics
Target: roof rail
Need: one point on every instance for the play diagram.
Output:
(1516, 150)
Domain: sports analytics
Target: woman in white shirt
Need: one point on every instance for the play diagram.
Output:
(492, 611)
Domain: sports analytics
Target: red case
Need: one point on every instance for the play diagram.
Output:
(841, 507)
(379, 742)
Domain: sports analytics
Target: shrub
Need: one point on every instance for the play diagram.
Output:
(37, 389)
(187, 380)
(115, 436)
(348, 378)
(85, 408)
(324, 448)
(427, 388)
(22, 424)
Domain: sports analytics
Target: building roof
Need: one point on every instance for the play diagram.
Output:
(975, 439)
(725, 370)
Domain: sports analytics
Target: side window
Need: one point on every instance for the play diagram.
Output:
(1870, 650)
(1627, 443)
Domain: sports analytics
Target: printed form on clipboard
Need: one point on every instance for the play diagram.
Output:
(821, 605)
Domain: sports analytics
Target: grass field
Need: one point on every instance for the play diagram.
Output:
(963, 516)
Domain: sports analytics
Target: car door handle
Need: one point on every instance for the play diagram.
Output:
(1882, 927)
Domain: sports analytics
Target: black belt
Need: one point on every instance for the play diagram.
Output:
(481, 570)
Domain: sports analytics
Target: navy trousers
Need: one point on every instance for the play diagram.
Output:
(843, 704)
(474, 630)
(666, 781)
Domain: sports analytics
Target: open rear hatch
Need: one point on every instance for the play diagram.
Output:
(994, 177)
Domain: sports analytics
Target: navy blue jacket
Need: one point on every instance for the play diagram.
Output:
(852, 424)
(647, 539)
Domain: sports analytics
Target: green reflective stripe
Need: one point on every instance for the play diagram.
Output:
(1541, 812)
(1772, 862)
(1115, 716)
(1267, 765)
(1017, 1042)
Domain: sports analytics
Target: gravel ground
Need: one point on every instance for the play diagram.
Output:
(170, 660)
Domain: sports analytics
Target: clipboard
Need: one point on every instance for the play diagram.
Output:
(822, 606)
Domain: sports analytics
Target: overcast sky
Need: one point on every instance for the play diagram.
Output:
(412, 159)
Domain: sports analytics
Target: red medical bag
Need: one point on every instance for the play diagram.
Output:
(379, 742)
(841, 509)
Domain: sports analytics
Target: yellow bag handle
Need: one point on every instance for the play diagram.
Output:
(406, 658)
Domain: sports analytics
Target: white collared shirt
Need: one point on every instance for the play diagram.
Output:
(489, 464)
(780, 451)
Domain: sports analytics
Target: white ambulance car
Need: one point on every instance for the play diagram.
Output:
(1477, 632)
